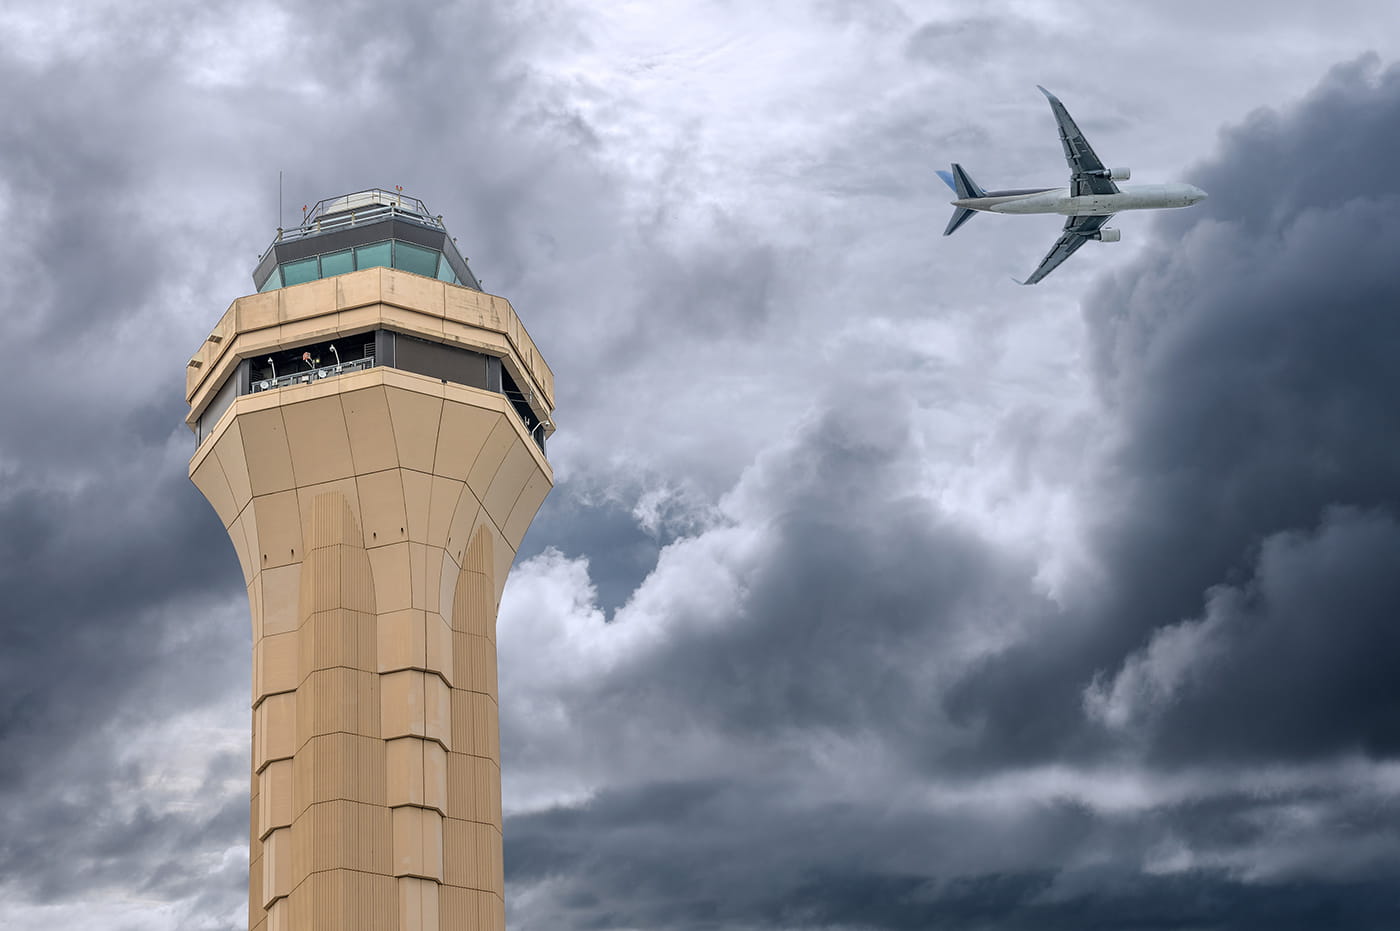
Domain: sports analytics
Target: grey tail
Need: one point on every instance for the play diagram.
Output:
(960, 216)
(962, 184)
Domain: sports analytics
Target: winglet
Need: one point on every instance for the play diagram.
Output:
(1017, 280)
(1046, 92)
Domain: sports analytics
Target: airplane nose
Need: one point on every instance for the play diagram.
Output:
(1197, 195)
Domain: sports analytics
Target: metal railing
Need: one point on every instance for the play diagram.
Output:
(310, 375)
(348, 210)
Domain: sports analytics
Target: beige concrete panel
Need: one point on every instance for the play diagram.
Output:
(341, 835)
(257, 915)
(461, 435)
(508, 482)
(447, 588)
(471, 908)
(333, 521)
(417, 496)
(274, 665)
(338, 700)
(417, 843)
(476, 657)
(346, 900)
(440, 650)
(425, 563)
(382, 507)
(310, 299)
(256, 311)
(470, 851)
(465, 305)
(473, 788)
(418, 905)
(337, 576)
(275, 729)
(410, 321)
(318, 440)
(475, 339)
(229, 449)
(401, 704)
(502, 557)
(475, 724)
(434, 776)
(275, 798)
(238, 533)
(405, 289)
(279, 916)
(465, 517)
(209, 478)
(265, 450)
(357, 288)
(525, 507)
(279, 529)
(393, 577)
(463, 721)
(340, 637)
(443, 498)
(473, 605)
(346, 491)
(370, 428)
(417, 773)
(437, 710)
(402, 640)
(493, 453)
(416, 418)
(404, 765)
(277, 866)
(337, 767)
(255, 606)
(281, 594)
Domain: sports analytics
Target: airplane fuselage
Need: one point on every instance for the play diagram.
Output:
(1059, 200)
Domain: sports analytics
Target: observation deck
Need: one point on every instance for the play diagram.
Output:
(371, 280)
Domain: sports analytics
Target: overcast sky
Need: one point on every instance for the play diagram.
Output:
(875, 591)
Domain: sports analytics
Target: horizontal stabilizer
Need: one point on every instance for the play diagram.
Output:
(960, 216)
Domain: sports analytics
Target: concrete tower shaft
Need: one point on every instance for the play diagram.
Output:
(372, 439)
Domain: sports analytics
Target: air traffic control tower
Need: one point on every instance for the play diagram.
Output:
(370, 427)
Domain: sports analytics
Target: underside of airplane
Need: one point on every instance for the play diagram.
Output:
(1088, 203)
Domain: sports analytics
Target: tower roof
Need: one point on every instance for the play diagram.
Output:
(363, 229)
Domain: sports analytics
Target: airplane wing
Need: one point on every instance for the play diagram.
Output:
(1086, 172)
(1077, 232)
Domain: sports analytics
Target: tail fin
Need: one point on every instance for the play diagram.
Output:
(963, 185)
(961, 182)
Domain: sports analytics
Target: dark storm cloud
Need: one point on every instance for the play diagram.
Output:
(1246, 521)
(850, 605)
(752, 853)
(1249, 366)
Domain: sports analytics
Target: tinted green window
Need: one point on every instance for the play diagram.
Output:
(298, 272)
(337, 263)
(373, 256)
(416, 259)
(445, 272)
(273, 281)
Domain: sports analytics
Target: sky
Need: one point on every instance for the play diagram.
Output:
(875, 592)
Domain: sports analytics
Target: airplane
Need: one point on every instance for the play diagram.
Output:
(1089, 202)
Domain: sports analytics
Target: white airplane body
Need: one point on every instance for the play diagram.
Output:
(1090, 200)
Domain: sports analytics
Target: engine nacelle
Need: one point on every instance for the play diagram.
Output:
(1107, 234)
(1114, 174)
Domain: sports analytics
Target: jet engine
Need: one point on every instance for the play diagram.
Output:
(1107, 234)
(1114, 174)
